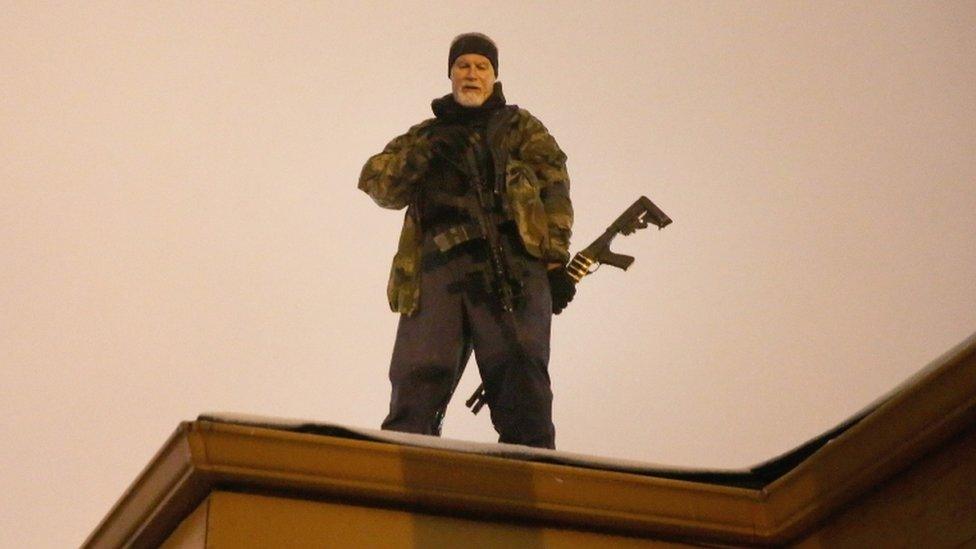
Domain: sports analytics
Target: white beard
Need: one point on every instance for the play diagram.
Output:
(469, 98)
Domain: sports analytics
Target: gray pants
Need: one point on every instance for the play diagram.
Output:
(457, 315)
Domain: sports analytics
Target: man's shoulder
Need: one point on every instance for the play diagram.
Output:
(412, 135)
(527, 122)
(525, 114)
(421, 126)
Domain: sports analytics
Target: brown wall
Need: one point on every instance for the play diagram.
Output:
(233, 520)
(932, 504)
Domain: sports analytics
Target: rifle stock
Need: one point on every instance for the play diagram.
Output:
(639, 215)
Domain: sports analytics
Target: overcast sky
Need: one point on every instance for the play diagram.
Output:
(182, 233)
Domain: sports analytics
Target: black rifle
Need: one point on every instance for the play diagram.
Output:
(498, 279)
(637, 216)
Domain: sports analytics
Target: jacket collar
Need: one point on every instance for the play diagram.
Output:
(447, 109)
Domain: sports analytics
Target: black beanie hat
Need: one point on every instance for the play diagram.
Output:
(473, 42)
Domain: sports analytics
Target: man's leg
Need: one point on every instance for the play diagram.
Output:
(428, 356)
(516, 373)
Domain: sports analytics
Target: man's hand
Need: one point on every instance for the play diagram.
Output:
(561, 286)
(449, 142)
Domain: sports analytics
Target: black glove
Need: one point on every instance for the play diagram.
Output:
(562, 287)
(449, 142)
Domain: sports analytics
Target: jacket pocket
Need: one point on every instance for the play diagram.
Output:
(525, 202)
(403, 288)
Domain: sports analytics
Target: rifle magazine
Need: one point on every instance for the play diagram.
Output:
(579, 267)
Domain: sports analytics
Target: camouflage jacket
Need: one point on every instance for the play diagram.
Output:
(528, 164)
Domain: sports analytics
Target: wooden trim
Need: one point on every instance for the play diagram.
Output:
(143, 508)
(474, 485)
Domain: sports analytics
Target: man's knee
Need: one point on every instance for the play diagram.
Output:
(427, 373)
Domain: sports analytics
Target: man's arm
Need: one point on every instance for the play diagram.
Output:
(539, 150)
(391, 176)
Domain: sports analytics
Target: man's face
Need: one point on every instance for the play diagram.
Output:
(472, 79)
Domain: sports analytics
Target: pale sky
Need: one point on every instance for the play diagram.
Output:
(182, 231)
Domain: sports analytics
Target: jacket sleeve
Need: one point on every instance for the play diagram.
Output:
(390, 177)
(539, 150)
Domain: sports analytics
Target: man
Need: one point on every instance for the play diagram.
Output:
(478, 167)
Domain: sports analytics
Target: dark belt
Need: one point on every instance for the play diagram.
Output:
(448, 243)
(449, 238)
(458, 234)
